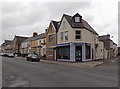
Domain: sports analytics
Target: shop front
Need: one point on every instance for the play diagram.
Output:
(74, 52)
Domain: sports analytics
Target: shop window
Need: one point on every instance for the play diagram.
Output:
(88, 52)
(63, 52)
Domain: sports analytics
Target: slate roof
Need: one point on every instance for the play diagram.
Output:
(56, 24)
(83, 23)
(104, 37)
(20, 39)
(6, 42)
(40, 36)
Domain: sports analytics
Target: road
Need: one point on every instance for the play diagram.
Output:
(21, 73)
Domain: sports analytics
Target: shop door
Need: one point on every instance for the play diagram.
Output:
(78, 53)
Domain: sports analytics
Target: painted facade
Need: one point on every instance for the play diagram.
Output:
(25, 47)
(71, 39)
(6, 47)
(16, 44)
(82, 49)
(109, 46)
(34, 45)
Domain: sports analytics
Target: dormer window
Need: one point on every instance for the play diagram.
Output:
(77, 19)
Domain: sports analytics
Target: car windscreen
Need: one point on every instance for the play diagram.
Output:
(34, 55)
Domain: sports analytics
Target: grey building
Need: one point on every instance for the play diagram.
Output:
(109, 45)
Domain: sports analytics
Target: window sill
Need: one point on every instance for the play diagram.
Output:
(78, 39)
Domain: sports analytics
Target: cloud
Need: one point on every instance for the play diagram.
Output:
(56, 9)
(29, 14)
(119, 23)
(23, 18)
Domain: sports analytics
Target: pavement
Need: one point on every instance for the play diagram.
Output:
(89, 64)
(77, 64)
(17, 72)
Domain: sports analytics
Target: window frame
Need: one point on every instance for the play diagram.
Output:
(62, 36)
(66, 35)
(63, 52)
(77, 19)
(88, 52)
(78, 35)
(50, 51)
(51, 39)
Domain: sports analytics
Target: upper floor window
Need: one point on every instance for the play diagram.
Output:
(77, 19)
(61, 36)
(66, 35)
(44, 41)
(77, 34)
(51, 38)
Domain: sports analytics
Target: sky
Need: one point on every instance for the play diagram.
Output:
(119, 23)
(23, 17)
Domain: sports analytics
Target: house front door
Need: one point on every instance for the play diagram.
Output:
(78, 53)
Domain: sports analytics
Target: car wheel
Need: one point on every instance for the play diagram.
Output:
(27, 59)
(31, 59)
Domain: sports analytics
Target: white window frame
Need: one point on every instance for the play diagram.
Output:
(66, 35)
(62, 36)
(77, 19)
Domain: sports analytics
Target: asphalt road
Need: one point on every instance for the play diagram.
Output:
(21, 73)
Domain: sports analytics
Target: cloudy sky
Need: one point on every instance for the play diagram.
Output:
(25, 17)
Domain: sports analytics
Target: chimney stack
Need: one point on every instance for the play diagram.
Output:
(35, 34)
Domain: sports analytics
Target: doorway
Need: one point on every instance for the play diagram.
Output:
(78, 53)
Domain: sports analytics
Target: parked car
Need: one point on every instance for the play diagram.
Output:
(1, 54)
(11, 55)
(33, 57)
(5, 55)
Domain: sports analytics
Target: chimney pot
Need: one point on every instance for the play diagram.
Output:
(35, 34)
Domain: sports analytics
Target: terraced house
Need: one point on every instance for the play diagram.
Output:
(70, 39)
(6, 47)
(34, 45)
(16, 44)
(109, 45)
(77, 40)
(51, 40)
